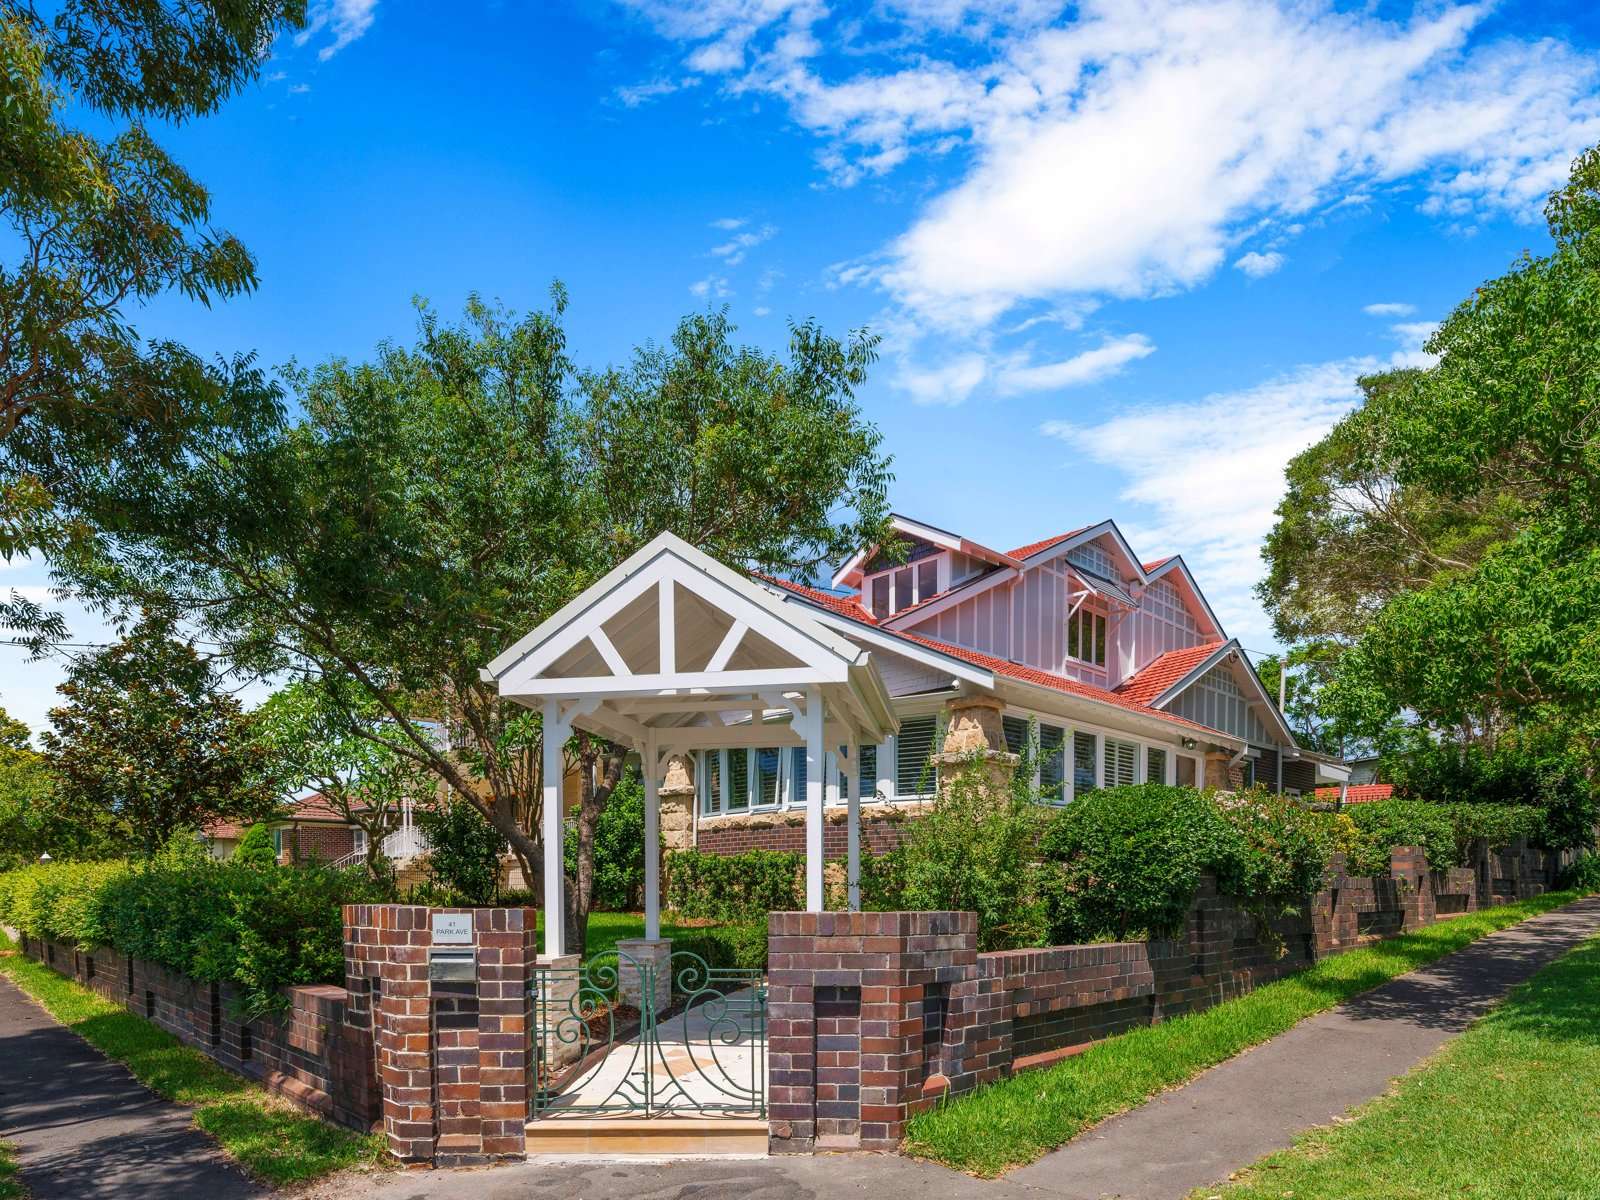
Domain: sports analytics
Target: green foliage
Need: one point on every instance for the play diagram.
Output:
(740, 947)
(1583, 876)
(1385, 824)
(734, 887)
(1309, 668)
(260, 928)
(255, 848)
(618, 849)
(975, 850)
(463, 851)
(1126, 862)
(148, 741)
(1286, 849)
(33, 819)
(99, 217)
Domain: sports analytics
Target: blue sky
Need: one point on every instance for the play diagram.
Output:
(1124, 255)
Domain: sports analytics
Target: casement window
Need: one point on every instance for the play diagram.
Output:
(913, 746)
(902, 589)
(738, 791)
(358, 841)
(1082, 763)
(869, 772)
(1121, 763)
(279, 836)
(1086, 637)
(927, 579)
(1155, 765)
(1016, 731)
(797, 776)
(764, 776)
(1052, 763)
(880, 596)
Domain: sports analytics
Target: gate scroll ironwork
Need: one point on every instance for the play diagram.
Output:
(695, 1043)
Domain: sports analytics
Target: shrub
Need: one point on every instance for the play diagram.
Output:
(1385, 824)
(976, 850)
(1126, 862)
(1583, 875)
(255, 848)
(260, 928)
(463, 850)
(739, 947)
(618, 849)
(1287, 848)
(734, 887)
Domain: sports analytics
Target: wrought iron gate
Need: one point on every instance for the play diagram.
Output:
(689, 1038)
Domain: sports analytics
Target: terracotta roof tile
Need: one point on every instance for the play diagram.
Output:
(1045, 543)
(1158, 564)
(1157, 676)
(845, 606)
(1359, 793)
(989, 662)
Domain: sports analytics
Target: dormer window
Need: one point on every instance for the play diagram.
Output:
(1086, 637)
(1093, 557)
(900, 587)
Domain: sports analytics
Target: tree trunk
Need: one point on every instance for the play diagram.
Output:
(593, 797)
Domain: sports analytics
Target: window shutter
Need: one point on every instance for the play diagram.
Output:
(711, 772)
(1122, 763)
(913, 747)
(869, 772)
(1052, 768)
(766, 775)
(738, 779)
(797, 776)
(1082, 763)
(1016, 731)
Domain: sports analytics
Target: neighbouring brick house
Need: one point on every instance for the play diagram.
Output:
(1122, 664)
(312, 831)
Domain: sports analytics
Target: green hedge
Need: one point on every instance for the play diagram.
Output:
(734, 887)
(1126, 862)
(1446, 832)
(742, 946)
(260, 928)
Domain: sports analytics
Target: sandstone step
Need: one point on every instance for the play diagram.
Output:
(647, 1136)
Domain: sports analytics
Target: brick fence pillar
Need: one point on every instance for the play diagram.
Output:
(453, 1043)
(865, 1022)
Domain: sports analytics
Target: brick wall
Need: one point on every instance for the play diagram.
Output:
(877, 837)
(930, 1016)
(319, 843)
(309, 1053)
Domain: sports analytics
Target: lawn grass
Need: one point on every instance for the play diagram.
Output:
(1508, 1111)
(270, 1137)
(10, 1186)
(1013, 1122)
(606, 929)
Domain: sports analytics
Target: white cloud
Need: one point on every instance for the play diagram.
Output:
(1080, 369)
(1257, 265)
(728, 223)
(733, 251)
(345, 20)
(1119, 148)
(954, 379)
(761, 310)
(1209, 473)
(712, 287)
(1389, 309)
(299, 89)
(635, 94)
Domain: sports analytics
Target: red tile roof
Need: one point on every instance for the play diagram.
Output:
(1033, 548)
(1145, 686)
(1359, 793)
(989, 662)
(1158, 564)
(845, 606)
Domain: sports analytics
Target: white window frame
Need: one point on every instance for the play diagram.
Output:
(1100, 734)
(1199, 769)
(941, 582)
(1085, 614)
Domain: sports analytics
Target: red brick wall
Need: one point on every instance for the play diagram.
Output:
(319, 843)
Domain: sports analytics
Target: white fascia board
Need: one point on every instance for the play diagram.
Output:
(1089, 535)
(841, 577)
(1328, 772)
(923, 655)
(1195, 674)
(667, 544)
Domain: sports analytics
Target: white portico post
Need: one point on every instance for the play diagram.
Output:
(555, 907)
(652, 841)
(853, 828)
(816, 771)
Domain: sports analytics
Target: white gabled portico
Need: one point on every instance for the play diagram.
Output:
(674, 652)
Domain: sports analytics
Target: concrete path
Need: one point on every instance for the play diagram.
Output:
(84, 1128)
(1255, 1103)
